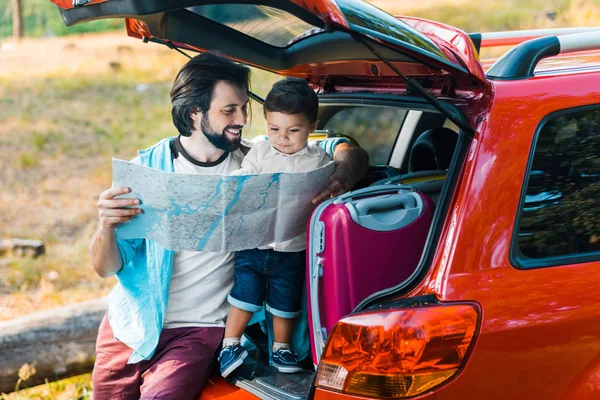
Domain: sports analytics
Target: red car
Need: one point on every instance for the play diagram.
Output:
(501, 302)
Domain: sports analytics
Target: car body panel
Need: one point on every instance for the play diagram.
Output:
(445, 35)
(218, 388)
(540, 326)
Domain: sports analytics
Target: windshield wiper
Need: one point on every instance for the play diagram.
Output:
(170, 45)
(414, 86)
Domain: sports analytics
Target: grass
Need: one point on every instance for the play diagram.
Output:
(59, 128)
(77, 387)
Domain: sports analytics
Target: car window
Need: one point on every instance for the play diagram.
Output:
(375, 128)
(560, 215)
(267, 24)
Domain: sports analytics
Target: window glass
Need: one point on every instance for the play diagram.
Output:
(561, 212)
(382, 25)
(267, 24)
(375, 129)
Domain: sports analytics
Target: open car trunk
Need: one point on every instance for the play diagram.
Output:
(315, 39)
(378, 240)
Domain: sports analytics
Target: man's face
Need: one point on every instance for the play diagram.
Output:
(222, 124)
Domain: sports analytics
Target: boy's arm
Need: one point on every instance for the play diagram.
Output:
(351, 163)
(250, 164)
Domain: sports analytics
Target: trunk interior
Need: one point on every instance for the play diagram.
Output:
(389, 223)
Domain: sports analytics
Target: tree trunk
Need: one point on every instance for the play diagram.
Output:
(17, 14)
(57, 343)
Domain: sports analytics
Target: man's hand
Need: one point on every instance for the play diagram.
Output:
(351, 164)
(104, 251)
(112, 212)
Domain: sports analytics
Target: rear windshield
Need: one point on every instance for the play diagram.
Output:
(375, 128)
(269, 25)
(375, 22)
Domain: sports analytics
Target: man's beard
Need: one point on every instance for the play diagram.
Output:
(220, 140)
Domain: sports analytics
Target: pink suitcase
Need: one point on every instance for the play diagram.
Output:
(359, 244)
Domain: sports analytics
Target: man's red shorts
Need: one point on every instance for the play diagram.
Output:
(183, 361)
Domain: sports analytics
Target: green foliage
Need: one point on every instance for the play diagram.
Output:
(29, 160)
(42, 18)
(76, 388)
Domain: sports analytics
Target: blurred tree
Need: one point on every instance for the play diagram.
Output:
(17, 17)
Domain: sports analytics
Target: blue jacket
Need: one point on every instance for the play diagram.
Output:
(138, 303)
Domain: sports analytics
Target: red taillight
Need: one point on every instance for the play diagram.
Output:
(397, 353)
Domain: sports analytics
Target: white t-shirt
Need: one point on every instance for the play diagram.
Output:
(201, 280)
(265, 159)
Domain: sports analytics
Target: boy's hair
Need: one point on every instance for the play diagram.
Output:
(194, 86)
(293, 96)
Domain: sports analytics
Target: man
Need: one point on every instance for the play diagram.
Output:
(166, 314)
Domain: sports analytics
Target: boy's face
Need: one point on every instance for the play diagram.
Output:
(288, 133)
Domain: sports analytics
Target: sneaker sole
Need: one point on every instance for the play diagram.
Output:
(288, 370)
(236, 364)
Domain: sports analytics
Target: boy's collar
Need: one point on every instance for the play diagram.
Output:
(306, 150)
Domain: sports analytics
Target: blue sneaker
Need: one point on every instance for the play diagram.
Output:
(286, 361)
(230, 358)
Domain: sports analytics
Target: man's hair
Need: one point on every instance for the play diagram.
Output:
(293, 96)
(194, 86)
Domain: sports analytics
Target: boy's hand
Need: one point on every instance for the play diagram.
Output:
(351, 164)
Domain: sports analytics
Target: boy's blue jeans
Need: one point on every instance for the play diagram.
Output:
(272, 276)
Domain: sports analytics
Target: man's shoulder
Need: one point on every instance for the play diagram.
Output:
(156, 153)
(245, 146)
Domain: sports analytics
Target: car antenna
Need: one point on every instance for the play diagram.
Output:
(170, 45)
(413, 85)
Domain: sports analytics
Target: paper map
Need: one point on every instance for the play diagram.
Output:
(216, 212)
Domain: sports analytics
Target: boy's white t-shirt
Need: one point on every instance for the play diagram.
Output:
(201, 280)
(265, 159)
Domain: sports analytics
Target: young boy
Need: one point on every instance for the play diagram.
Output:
(275, 273)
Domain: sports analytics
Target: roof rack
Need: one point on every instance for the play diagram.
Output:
(520, 61)
(512, 38)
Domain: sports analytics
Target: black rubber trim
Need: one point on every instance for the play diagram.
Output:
(517, 259)
(385, 100)
(520, 61)
(136, 8)
(176, 145)
(439, 218)
(476, 39)
(418, 301)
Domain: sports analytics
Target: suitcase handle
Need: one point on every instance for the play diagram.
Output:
(413, 177)
(391, 189)
(363, 207)
(395, 211)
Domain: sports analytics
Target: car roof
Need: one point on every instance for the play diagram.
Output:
(587, 61)
(570, 63)
(574, 50)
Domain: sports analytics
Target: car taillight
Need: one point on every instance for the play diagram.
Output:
(397, 353)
